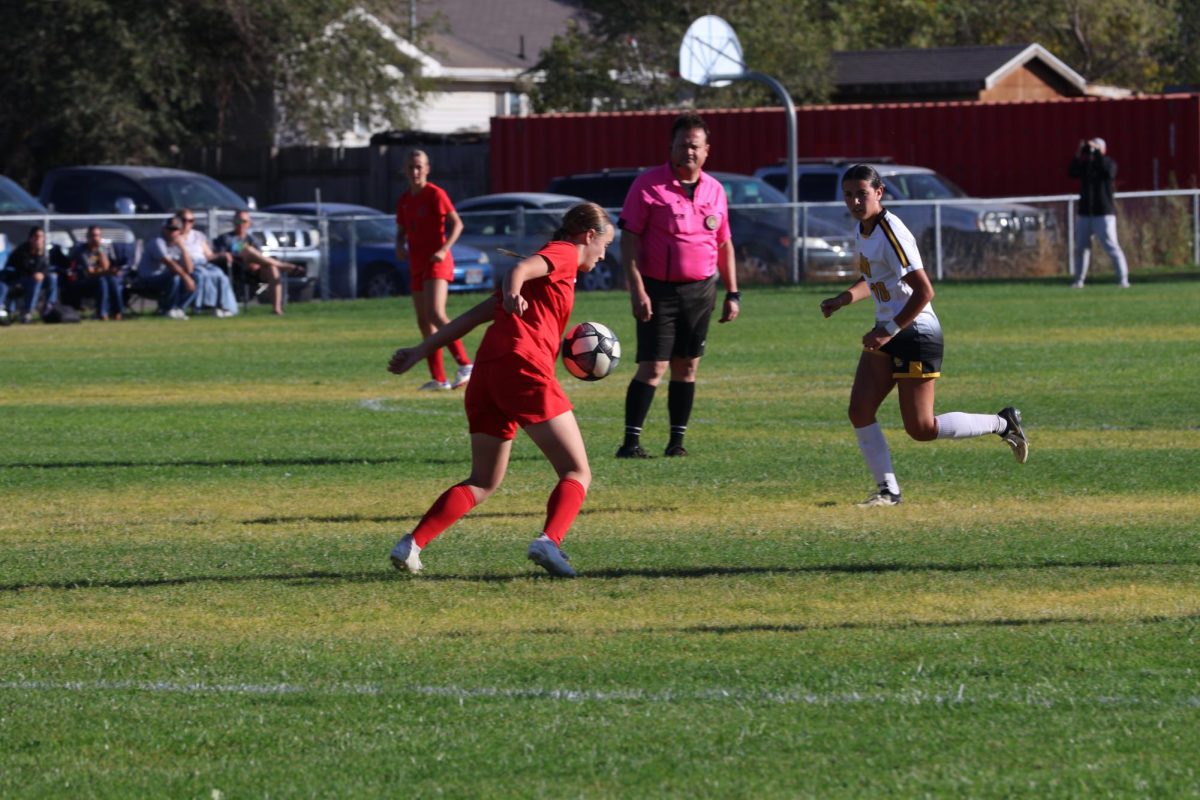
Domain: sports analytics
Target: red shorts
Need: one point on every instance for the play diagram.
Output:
(421, 270)
(510, 393)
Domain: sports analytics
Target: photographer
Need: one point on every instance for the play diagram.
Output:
(1097, 214)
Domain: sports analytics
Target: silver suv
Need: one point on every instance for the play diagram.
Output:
(158, 191)
(971, 227)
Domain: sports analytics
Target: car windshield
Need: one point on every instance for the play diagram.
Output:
(607, 191)
(742, 192)
(921, 186)
(15, 200)
(375, 229)
(192, 191)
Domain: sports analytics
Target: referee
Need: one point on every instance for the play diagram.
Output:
(674, 240)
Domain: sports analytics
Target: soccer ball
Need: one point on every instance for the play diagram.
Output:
(590, 351)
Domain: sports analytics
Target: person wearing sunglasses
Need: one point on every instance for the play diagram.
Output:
(213, 287)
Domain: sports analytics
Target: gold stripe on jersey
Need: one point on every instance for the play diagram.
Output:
(864, 265)
(894, 242)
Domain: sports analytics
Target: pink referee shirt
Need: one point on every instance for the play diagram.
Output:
(679, 236)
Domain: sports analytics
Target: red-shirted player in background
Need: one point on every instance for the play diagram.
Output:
(514, 385)
(421, 216)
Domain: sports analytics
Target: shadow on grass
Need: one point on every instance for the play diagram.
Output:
(386, 575)
(316, 461)
(991, 622)
(348, 518)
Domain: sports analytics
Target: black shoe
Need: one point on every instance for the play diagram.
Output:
(675, 450)
(631, 451)
(1014, 434)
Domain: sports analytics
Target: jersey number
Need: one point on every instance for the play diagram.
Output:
(880, 291)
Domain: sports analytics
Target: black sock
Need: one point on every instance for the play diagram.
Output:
(638, 398)
(680, 396)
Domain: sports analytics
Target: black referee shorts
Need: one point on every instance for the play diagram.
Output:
(678, 327)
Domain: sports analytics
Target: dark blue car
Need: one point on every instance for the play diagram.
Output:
(379, 273)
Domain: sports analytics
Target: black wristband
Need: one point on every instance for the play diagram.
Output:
(734, 296)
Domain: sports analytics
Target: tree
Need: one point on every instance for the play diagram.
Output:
(627, 56)
(131, 81)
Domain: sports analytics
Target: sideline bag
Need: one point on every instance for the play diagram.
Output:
(59, 312)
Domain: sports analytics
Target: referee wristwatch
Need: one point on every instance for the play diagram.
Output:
(890, 327)
(734, 296)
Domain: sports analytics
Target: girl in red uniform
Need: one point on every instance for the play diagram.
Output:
(514, 386)
(421, 216)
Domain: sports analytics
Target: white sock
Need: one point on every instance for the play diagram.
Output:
(877, 455)
(960, 425)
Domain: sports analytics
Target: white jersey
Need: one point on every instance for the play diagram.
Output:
(884, 257)
(196, 244)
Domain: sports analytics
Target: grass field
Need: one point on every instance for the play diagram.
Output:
(195, 597)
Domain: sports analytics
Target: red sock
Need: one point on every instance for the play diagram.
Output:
(436, 369)
(563, 507)
(445, 511)
(459, 352)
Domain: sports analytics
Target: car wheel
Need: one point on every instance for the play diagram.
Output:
(600, 279)
(379, 281)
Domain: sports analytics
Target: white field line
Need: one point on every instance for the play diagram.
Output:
(952, 696)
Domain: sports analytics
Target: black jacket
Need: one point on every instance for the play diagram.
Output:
(1095, 176)
(24, 262)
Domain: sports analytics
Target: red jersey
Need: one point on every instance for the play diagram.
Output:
(537, 334)
(423, 217)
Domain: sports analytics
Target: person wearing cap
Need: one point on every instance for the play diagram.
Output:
(675, 241)
(1097, 212)
(166, 270)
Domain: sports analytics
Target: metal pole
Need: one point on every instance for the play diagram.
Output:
(937, 240)
(323, 229)
(793, 195)
(1196, 227)
(352, 238)
(1071, 238)
(803, 262)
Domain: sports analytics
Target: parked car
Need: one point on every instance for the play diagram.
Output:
(968, 228)
(63, 234)
(379, 273)
(758, 222)
(509, 225)
(156, 191)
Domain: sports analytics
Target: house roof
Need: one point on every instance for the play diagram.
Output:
(495, 35)
(949, 69)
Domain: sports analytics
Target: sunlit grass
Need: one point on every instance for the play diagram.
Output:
(195, 596)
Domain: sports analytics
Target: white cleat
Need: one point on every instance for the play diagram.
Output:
(406, 556)
(881, 498)
(462, 376)
(434, 386)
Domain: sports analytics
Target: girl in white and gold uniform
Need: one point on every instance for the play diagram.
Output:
(904, 348)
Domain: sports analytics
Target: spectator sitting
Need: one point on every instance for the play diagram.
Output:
(238, 247)
(214, 288)
(166, 270)
(29, 267)
(94, 265)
